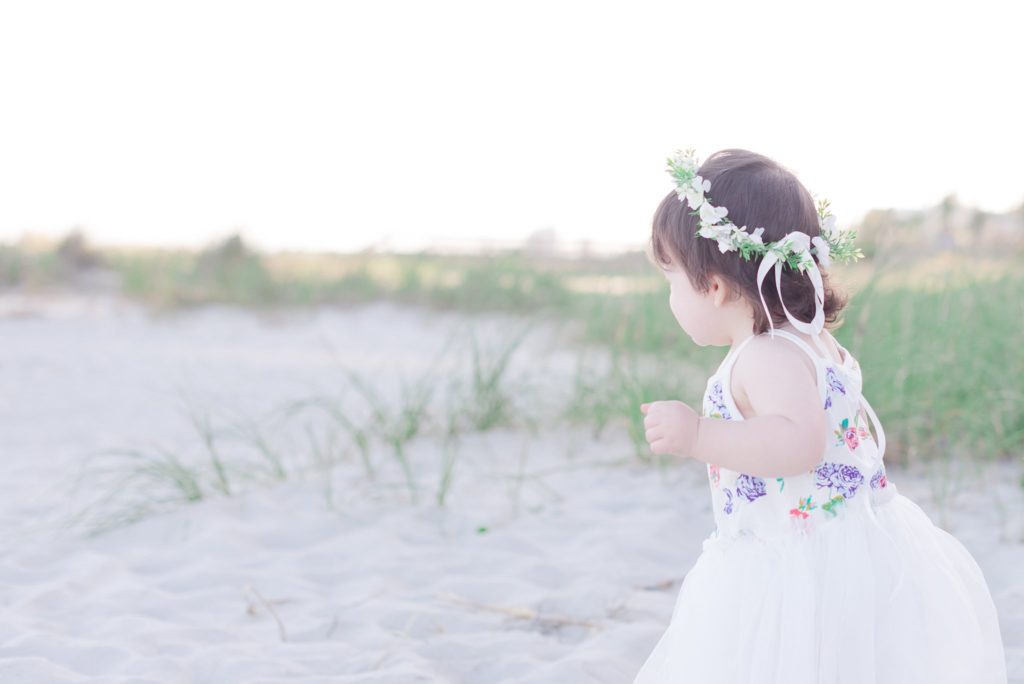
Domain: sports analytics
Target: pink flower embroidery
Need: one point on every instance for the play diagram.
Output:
(851, 438)
(713, 470)
(848, 434)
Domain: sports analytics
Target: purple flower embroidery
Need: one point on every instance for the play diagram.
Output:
(828, 400)
(833, 381)
(878, 480)
(728, 501)
(718, 401)
(750, 486)
(839, 476)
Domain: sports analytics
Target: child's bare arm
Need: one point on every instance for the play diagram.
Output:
(786, 433)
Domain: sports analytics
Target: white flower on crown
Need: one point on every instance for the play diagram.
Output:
(726, 244)
(821, 249)
(722, 233)
(710, 214)
(827, 225)
(694, 191)
(713, 232)
(801, 239)
(799, 243)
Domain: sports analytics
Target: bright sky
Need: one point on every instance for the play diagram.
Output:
(335, 125)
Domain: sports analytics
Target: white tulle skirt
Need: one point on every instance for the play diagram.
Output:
(846, 604)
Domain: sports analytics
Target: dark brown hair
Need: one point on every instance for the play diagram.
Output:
(758, 192)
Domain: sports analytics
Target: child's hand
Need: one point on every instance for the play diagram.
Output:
(671, 427)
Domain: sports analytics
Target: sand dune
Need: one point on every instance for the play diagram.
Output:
(556, 559)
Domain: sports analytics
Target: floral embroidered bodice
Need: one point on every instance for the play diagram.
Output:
(850, 475)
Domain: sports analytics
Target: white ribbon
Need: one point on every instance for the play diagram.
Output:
(892, 492)
(802, 243)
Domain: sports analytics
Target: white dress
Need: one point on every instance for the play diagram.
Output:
(831, 576)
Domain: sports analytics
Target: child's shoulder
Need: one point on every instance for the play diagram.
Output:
(769, 377)
(764, 348)
(764, 352)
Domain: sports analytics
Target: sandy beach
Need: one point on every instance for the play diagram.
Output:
(556, 556)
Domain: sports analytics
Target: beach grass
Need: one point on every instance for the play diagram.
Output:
(936, 333)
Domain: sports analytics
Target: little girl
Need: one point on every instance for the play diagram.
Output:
(819, 571)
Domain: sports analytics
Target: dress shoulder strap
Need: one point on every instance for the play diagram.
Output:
(730, 358)
(724, 371)
(800, 343)
(879, 430)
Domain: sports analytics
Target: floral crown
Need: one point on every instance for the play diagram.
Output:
(793, 250)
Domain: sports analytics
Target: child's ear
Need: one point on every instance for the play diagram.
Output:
(720, 291)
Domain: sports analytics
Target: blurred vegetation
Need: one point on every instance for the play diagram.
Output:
(936, 324)
(34, 267)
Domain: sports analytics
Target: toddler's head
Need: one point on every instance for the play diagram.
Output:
(714, 295)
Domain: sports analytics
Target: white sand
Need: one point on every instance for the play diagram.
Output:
(573, 580)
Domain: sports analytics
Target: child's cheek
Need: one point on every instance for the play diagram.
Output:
(676, 306)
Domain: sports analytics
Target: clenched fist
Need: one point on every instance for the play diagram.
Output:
(671, 427)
